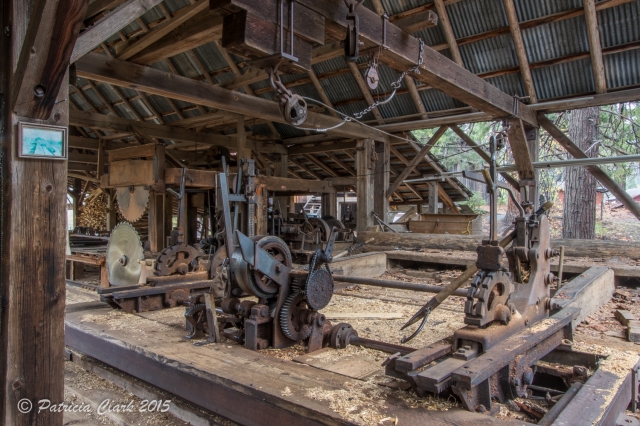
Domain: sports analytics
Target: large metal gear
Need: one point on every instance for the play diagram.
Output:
(487, 298)
(123, 254)
(180, 259)
(319, 289)
(292, 318)
(132, 202)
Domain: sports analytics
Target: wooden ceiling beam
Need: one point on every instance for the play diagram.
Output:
(116, 20)
(521, 53)
(416, 160)
(436, 70)
(320, 164)
(163, 29)
(415, 96)
(200, 30)
(595, 46)
(113, 71)
(303, 168)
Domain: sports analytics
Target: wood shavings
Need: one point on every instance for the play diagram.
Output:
(286, 391)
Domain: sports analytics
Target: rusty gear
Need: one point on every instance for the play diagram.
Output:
(180, 259)
(293, 318)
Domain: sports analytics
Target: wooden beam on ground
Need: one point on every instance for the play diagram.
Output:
(416, 160)
(116, 20)
(483, 154)
(596, 171)
(163, 29)
(521, 53)
(44, 58)
(448, 32)
(595, 47)
(437, 71)
(200, 30)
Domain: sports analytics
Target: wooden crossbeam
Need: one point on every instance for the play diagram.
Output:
(483, 154)
(116, 20)
(341, 163)
(418, 22)
(595, 47)
(160, 131)
(303, 168)
(521, 53)
(596, 171)
(416, 160)
(98, 6)
(319, 147)
(100, 68)
(437, 70)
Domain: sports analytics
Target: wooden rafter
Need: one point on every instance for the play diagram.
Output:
(595, 47)
(355, 72)
(415, 96)
(116, 20)
(523, 61)
(321, 165)
(303, 168)
(448, 32)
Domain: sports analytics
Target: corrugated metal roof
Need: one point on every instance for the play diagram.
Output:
(556, 40)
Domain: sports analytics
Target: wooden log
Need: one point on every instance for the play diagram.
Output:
(307, 24)
(246, 35)
(577, 248)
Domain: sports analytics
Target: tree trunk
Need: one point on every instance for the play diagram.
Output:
(579, 218)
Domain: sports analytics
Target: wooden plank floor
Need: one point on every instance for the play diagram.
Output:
(244, 386)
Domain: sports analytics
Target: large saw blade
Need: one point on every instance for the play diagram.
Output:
(132, 202)
(123, 253)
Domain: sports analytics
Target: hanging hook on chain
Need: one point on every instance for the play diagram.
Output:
(351, 42)
(292, 106)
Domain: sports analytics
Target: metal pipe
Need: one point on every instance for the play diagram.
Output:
(576, 162)
(380, 346)
(425, 288)
(562, 403)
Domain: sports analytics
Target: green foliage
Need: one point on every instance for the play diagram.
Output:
(475, 202)
(619, 135)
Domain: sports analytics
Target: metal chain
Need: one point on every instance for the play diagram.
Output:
(395, 85)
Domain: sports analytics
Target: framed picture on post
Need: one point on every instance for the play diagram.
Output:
(42, 141)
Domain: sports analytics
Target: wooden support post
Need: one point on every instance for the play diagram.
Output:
(157, 238)
(420, 207)
(243, 151)
(330, 204)
(433, 197)
(168, 217)
(282, 169)
(381, 173)
(261, 212)
(194, 202)
(112, 211)
(364, 187)
(33, 223)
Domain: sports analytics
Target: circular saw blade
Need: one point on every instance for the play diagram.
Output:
(123, 252)
(132, 202)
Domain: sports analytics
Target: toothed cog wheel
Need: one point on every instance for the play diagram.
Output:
(293, 317)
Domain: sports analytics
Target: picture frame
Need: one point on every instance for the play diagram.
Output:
(42, 141)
